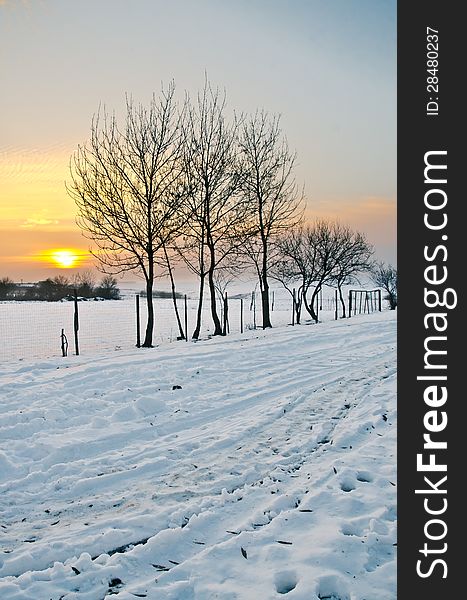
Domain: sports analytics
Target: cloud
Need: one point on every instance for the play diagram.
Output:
(30, 223)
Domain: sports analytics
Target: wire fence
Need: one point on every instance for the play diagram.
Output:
(49, 329)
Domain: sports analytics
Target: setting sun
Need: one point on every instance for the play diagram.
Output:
(64, 259)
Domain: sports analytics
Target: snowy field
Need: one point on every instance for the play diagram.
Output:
(32, 329)
(251, 467)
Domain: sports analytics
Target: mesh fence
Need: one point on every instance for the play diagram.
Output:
(33, 329)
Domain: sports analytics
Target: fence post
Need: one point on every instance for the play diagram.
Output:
(379, 300)
(293, 306)
(317, 306)
(226, 308)
(76, 323)
(254, 309)
(321, 299)
(335, 301)
(186, 318)
(241, 315)
(64, 343)
(350, 303)
(138, 324)
(272, 305)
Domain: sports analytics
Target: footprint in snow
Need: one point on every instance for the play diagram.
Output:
(285, 581)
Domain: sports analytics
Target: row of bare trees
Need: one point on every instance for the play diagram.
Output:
(192, 183)
(185, 182)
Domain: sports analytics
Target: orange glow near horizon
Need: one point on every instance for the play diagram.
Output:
(39, 234)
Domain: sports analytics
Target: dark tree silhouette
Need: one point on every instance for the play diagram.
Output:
(108, 288)
(84, 283)
(126, 182)
(217, 218)
(354, 258)
(269, 185)
(7, 288)
(385, 277)
(323, 253)
(51, 289)
(310, 255)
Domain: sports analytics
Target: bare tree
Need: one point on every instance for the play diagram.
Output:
(269, 185)
(385, 276)
(84, 283)
(310, 255)
(126, 184)
(108, 288)
(354, 258)
(217, 221)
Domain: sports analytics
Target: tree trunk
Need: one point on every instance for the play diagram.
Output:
(174, 295)
(342, 301)
(195, 335)
(150, 322)
(310, 307)
(212, 291)
(298, 311)
(265, 289)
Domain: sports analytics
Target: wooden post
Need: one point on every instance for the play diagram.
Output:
(226, 308)
(138, 324)
(241, 315)
(360, 305)
(272, 304)
(76, 323)
(186, 318)
(317, 306)
(64, 343)
(350, 303)
(254, 310)
(379, 300)
(335, 300)
(321, 299)
(293, 306)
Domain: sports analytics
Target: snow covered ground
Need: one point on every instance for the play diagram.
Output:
(249, 467)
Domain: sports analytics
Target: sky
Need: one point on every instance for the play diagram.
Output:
(328, 67)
